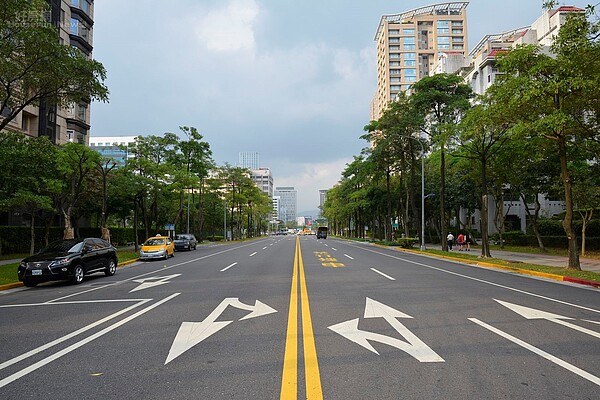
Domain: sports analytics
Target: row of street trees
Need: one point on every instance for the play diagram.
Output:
(536, 131)
(167, 181)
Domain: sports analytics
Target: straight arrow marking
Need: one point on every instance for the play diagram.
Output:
(374, 309)
(532, 313)
(533, 349)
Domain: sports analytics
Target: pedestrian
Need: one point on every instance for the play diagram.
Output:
(468, 242)
(450, 239)
(460, 241)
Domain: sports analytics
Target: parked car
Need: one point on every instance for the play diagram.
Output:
(157, 247)
(69, 259)
(185, 241)
(322, 232)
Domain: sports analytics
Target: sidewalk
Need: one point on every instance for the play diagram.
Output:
(587, 264)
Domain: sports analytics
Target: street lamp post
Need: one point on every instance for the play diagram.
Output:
(422, 190)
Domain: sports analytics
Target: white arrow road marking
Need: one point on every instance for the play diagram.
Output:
(374, 309)
(192, 333)
(540, 352)
(156, 281)
(532, 313)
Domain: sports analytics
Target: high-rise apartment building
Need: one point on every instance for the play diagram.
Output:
(263, 178)
(74, 20)
(249, 160)
(409, 45)
(288, 202)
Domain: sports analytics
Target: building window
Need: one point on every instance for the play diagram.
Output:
(410, 63)
(409, 40)
(395, 40)
(81, 111)
(410, 78)
(392, 48)
(395, 87)
(74, 26)
(458, 39)
(443, 40)
(410, 71)
(394, 55)
(443, 46)
(395, 80)
(393, 32)
(394, 63)
(406, 31)
(457, 31)
(410, 56)
(410, 47)
(394, 72)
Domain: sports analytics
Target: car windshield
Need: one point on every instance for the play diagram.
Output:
(182, 237)
(154, 242)
(64, 246)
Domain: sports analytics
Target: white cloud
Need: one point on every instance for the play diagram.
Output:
(311, 178)
(230, 28)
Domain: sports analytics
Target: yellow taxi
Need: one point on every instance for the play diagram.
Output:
(157, 247)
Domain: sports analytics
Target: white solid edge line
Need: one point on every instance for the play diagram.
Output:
(540, 352)
(69, 336)
(80, 343)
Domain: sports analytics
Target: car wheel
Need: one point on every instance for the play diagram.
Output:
(167, 255)
(77, 275)
(111, 269)
(29, 283)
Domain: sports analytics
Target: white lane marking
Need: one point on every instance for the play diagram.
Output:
(70, 335)
(227, 267)
(253, 254)
(382, 274)
(264, 248)
(593, 322)
(532, 313)
(155, 271)
(540, 352)
(325, 244)
(73, 302)
(67, 350)
(334, 249)
(349, 256)
(481, 280)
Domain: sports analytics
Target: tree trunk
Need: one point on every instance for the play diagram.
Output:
(535, 220)
(485, 240)
(585, 217)
(68, 232)
(443, 222)
(568, 221)
(32, 236)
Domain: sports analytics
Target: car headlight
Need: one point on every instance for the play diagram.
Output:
(58, 263)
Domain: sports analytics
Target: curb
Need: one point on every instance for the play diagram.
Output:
(502, 267)
(19, 284)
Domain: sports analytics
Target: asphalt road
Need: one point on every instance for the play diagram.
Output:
(288, 318)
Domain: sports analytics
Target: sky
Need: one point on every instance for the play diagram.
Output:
(290, 79)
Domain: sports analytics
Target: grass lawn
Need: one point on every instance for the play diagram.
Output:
(588, 275)
(8, 272)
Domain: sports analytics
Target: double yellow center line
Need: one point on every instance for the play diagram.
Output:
(312, 376)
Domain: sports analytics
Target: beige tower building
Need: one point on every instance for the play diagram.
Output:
(74, 19)
(410, 43)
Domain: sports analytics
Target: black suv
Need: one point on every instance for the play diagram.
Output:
(185, 241)
(69, 259)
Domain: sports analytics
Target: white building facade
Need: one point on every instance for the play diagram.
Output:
(288, 203)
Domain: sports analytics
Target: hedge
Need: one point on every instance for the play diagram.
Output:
(518, 238)
(17, 239)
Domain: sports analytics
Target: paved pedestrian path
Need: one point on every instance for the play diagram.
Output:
(587, 264)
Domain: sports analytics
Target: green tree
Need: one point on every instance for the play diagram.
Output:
(441, 100)
(75, 165)
(34, 65)
(555, 97)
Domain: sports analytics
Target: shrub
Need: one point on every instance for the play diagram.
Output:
(407, 243)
